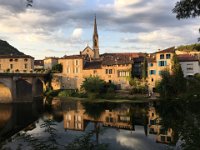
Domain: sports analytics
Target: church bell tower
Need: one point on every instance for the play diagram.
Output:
(95, 40)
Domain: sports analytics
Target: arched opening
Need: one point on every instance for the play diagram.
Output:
(38, 91)
(23, 90)
(5, 94)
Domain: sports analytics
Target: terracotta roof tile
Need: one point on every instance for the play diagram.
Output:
(186, 57)
(168, 50)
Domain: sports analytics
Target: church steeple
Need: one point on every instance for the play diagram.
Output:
(95, 40)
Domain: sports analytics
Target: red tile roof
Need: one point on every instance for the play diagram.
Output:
(73, 57)
(186, 58)
(168, 50)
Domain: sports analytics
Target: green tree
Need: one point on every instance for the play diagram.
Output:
(186, 9)
(144, 68)
(166, 87)
(178, 79)
(93, 86)
(57, 68)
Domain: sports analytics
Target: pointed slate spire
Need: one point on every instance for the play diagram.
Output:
(95, 40)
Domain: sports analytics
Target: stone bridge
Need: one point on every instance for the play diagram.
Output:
(17, 87)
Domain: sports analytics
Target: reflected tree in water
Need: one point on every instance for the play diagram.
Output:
(183, 116)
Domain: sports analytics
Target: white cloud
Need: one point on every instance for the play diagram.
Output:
(77, 33)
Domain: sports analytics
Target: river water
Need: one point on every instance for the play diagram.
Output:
(117, 126)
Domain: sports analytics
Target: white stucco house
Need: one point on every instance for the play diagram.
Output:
(190, 64)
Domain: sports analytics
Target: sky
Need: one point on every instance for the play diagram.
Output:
(65, 27)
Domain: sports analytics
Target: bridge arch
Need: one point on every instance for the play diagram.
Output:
(5, 92)
(23, 89)
(38, 87)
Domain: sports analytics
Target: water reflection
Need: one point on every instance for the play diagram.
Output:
(121, 125)
(15, 117)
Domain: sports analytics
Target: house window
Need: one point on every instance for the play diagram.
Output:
(11, 66)
(150, 65)
(25, 59)
(168, 56)
(162, 63)
(189, 69)
(94, 71)
(152, 72)
(76, 70)
(162, 56)
(106, 71)
(123, 73)
(16, 60)
(76, 62)
(110, 71)
(0, 66)
(152, 122)
(169, 139)
(11, 60)
(25, 66)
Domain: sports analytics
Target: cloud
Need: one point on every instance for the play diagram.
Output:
(131, 24)
(77, 33)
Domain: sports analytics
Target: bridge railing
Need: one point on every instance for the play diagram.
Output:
(24, 72)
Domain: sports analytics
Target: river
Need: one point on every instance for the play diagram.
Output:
(119, 126)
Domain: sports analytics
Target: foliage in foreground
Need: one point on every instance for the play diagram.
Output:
(185, 9)
(84, 142)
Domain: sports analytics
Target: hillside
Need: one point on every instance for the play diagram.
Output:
(7, 49)
(191, 47)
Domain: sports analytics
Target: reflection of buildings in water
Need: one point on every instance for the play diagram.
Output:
(163, 135)
(77, 119)
(5, 114)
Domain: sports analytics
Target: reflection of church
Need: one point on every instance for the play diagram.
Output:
(111, 67)
(77, 118)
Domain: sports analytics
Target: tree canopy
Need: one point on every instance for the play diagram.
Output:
(190, 47)
(186, 9)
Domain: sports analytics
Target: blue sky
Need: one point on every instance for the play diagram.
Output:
(65, 27)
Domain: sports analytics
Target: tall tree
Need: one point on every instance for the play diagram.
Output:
(177, 76)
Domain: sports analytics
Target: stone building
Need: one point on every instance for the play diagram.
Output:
(190, 64)
(157, 62)
(111, 67)
(16, 63)
(49, 62)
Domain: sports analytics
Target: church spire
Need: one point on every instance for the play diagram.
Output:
(95, 40)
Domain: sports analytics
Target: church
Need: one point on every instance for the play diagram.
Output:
(112, 67)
